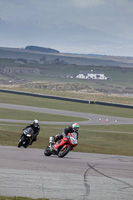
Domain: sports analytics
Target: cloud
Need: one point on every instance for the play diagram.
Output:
(87, 3)
(63, 17)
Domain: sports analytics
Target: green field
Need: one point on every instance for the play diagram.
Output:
(26, 115)
(65, 105)
(120, 77)
(109, 139)
(92, 139)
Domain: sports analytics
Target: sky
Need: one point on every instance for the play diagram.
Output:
(70, 26)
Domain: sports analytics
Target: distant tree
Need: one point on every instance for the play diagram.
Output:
(41, 49)
(43, 59)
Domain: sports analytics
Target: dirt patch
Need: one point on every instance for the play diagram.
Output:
(57, 86)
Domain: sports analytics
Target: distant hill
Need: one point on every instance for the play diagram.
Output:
(69, 58)
(41, 49)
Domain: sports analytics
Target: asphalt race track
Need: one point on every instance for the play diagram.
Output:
(78, 176)
(91, 119)
(82, 176)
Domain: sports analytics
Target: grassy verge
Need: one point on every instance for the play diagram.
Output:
(26, 115)
(95, 96)
(65, 105)
(109, 139)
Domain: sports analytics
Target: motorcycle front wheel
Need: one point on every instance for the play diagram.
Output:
(47, 152)
(26, 144)
(21, 142)
(64, 151)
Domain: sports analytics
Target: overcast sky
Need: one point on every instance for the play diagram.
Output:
(112, 19)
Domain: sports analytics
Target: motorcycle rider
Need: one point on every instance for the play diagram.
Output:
(70, 129)
(36, 128)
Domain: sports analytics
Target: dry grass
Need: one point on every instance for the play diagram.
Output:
(64, 90)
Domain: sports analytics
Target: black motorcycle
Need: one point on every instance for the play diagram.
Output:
(26, 138)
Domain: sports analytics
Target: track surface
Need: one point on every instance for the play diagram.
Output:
(78, 176)
(92, 119)
(83, 176)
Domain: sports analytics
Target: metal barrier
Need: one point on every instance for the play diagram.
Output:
(67, 99)
(113, 104)
(47, 96)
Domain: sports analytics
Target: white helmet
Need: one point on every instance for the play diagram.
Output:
(75, 126)
(36, 123)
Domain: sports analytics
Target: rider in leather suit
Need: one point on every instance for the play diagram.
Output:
(36, 128)
(70, 129)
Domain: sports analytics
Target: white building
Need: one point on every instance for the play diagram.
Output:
(99, 76)
(81, 76)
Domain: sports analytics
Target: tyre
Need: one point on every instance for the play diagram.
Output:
(21, 142)
(26, 143)
(47, 152)
(64, 151)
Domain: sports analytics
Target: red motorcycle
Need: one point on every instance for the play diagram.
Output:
(62, 146)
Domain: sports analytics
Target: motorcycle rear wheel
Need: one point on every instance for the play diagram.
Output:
(64, 151)
(47, 152)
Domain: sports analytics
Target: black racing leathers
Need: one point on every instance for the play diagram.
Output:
(65, 132)
(35, 129)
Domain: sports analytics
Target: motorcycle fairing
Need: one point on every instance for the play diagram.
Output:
(60, 143)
